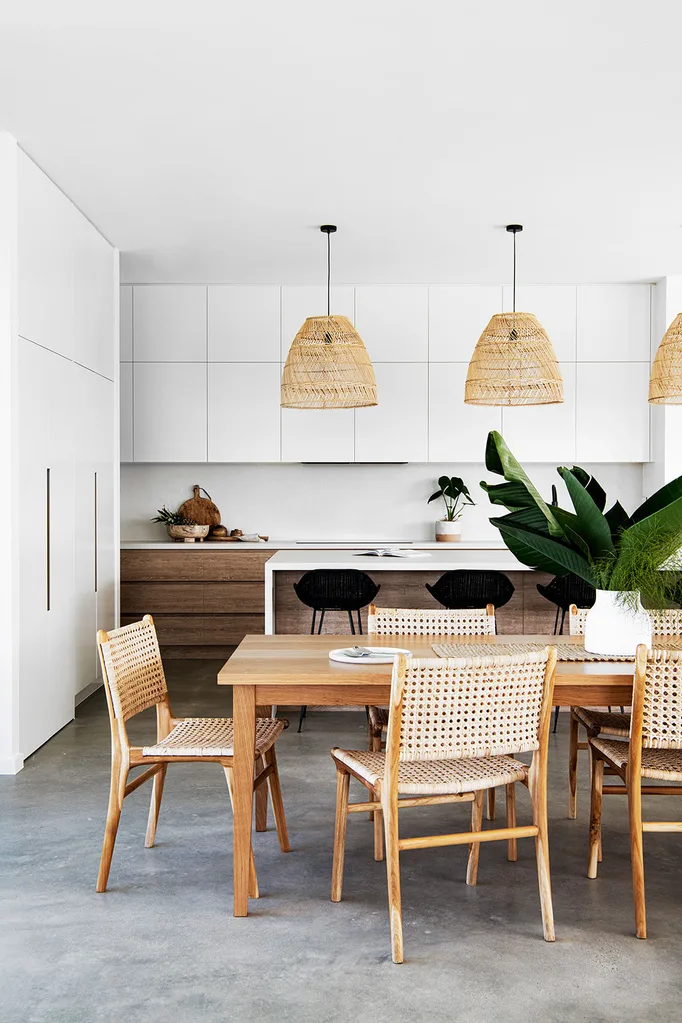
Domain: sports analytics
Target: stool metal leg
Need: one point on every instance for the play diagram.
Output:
(321, 622)
(556, 718)
(359, 623)
(312, 627)
(352, 623)
(304, 711)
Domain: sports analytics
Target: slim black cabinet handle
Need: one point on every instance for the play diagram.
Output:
(96, 533)
(48, 538)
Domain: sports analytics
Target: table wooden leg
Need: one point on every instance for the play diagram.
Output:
(242, 766)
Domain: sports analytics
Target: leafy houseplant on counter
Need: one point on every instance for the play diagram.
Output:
(620, 555)
(456, 497)
(179, 527)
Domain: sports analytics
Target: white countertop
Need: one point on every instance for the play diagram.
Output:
(312, 545)
(439, 560)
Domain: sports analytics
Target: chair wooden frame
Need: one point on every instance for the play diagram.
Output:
(386, 792)
(125, 757)
(631, 776)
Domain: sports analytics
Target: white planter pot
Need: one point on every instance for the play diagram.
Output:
(615, 627)
(448, 532)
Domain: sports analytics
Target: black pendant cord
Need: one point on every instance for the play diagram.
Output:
(514, 284)
(329, 272)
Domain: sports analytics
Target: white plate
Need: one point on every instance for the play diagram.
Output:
(380, 655)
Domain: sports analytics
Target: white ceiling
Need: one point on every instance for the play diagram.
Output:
(208, 140)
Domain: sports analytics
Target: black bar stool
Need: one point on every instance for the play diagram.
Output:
(335, 589)
(469, 588)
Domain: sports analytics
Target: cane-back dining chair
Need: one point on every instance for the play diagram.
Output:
(653, 751)
(454, 726)
(134, 681)
(402, 621)
(667, 622)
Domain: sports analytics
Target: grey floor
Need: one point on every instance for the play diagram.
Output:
(162, 943)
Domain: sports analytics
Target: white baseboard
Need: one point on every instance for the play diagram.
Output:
(88, 691)
(12, 764)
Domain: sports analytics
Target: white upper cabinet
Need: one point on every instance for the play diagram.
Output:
(243, 323)
(243, 412)
(393, 322)
(614, 323)
(396, 430)
(457, 317)
(126, 323)
(544, 433)
(298, 303)
(45, 260)
(94, 298)
(318, 435)
(612, 418)
(555, 308)
(457, 432)
(126, 385)
(169, 323)
(170, 414)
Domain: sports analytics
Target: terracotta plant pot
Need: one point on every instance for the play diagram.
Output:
(447, 531)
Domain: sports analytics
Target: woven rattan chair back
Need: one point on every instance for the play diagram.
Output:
(402, 621)
(465, 707)
(667, 622)
(659, 693)
(577, 617)
(133, 670)
(467, 588)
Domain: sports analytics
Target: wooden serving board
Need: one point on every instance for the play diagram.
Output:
(200, 509)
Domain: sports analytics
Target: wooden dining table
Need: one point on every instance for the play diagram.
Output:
(288, 670)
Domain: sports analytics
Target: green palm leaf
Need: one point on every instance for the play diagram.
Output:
(499, 459)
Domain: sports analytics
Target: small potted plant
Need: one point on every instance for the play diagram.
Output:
(179, 527)
(455, 495)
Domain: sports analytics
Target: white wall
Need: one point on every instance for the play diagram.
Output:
(323, 502)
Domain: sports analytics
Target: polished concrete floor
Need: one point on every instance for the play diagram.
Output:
(162, 944)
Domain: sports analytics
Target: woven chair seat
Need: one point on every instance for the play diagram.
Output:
(597, 721)
(664, 764)
(212, 737)
(435, 777)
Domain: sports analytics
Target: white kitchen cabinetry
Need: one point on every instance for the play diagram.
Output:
(544, 433)
(614, 322)
(318, 435)
(94, 298)
(169, 323)
(300, 302)
(612, 416)
(396, 430)
(170, 412)
(457, 432)
(243, 412)
(126, 323)
(555, 308)
(457, 318)
(394, 323)
(46, 545)
(126, 385)
(243, 323)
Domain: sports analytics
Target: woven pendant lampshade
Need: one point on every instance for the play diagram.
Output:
(665, 384)
(328, 365)
(514, 361)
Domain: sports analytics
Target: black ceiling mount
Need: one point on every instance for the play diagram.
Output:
(331, 228)
(512, 228)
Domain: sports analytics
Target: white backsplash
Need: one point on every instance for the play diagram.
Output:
(335, 502)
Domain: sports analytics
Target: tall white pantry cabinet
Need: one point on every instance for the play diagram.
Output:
(65, 469)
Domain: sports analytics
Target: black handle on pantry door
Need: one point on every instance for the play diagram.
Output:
(48, 552)
(96, 533)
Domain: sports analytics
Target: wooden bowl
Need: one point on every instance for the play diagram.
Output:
(188, 534)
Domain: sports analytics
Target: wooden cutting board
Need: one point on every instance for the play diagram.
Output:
(201, 509)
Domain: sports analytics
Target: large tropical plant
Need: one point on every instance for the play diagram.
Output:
(609, 549)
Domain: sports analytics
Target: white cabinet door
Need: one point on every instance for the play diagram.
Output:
(555, 308)
(169, 412)
(457, 318)
(126, 385)
(396, 430)
(612, 412)
(169, 323)
(45, 260)
(243, 323)
(318, 435)
(94, 298)
(614, 322)
(298, 303)
(544, 433)
(393, 322)
(46, 565)
(457, 432)
(243, 412)
(126, 323)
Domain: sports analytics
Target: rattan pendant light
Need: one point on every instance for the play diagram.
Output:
(513, 361)
(328, 365)
(665, 383)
